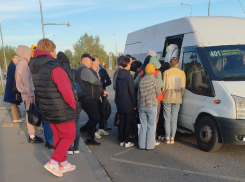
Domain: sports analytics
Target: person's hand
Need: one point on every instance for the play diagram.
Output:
(31, 100)
(105, 93)
(135, 108)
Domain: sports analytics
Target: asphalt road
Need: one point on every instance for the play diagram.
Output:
(183, 161)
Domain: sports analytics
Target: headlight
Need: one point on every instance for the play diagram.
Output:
(240, 107)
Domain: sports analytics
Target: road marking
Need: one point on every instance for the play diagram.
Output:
(125, 151)
(179, 170)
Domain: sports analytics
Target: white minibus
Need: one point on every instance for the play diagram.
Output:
(212, 55)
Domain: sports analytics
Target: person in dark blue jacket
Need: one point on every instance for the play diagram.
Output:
(106, 81)
(9, 95)
(125, 100)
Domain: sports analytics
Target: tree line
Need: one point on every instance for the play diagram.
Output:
(86, 44)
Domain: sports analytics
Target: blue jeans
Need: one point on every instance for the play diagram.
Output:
(147, 128)
(170, 113)
(48, 134)
(76, 141)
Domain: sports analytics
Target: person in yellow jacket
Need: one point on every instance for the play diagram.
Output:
(174, 81)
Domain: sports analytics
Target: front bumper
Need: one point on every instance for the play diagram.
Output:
(231, 130)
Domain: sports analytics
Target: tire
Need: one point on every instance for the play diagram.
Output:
(207, 135)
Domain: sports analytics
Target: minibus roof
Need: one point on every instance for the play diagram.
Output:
(208, 31)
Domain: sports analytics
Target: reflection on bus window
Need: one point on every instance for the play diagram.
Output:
(192, 64)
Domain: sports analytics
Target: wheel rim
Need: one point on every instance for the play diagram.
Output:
(206, 134)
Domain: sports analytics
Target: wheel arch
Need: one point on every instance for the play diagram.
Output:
(203, 114)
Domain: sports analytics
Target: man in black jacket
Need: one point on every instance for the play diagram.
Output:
(106, 81)
(95, 70)
(91, 86)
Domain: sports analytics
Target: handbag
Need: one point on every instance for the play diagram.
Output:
(18, 97)
(117, 120)
(34, 115)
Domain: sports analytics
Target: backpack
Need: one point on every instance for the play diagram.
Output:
(80, 93)
(160, 97)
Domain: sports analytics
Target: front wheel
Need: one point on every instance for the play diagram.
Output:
(207, 135)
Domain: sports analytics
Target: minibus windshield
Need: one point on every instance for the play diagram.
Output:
(227, 61)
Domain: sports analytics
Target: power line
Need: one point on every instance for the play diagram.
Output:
(242, 6)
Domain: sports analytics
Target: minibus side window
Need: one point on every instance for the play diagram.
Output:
(192, 63)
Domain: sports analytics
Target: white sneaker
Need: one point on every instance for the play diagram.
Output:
(70, 151)
(167, 140)
(17, 121)
(76, 151)
(129, 144)
(97, 135)
(171, 140)
(122, 144)
(102, 132)
(157, 142)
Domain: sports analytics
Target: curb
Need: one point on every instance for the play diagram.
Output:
(96, 167)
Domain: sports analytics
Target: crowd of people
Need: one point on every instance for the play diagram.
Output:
(145, 93)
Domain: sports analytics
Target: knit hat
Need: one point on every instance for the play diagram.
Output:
(150, 69)
(33, 47)
(152, 53)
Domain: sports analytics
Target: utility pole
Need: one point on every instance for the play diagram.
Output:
(116, 47)
(209, 8)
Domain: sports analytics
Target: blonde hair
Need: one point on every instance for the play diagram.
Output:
(46, 45)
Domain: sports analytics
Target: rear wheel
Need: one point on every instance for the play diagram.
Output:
(207, 135)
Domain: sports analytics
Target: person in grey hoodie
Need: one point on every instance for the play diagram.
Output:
(91, 86)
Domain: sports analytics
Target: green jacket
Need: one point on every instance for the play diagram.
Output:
(157, 65)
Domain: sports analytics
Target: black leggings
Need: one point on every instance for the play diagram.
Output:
(124, 126)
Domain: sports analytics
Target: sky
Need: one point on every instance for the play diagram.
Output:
(21, 19)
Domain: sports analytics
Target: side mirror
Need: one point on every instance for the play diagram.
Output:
(197, 81)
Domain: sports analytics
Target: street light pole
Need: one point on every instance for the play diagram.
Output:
(116, 47)
(188, 5)
(3, 46)
(209, 8)
(41, 11)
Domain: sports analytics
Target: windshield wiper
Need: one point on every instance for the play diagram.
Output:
(235, 76)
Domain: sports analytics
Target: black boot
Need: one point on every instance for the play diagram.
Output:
(92, 142)
(35, 140)
(49, 146)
